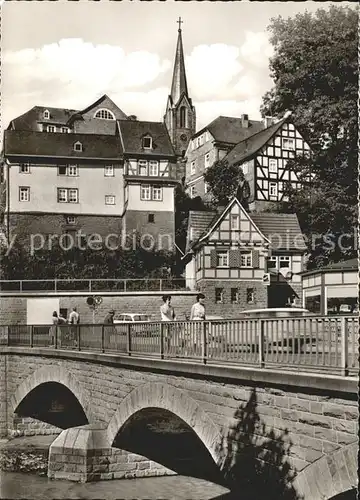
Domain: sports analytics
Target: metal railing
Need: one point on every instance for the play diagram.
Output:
(308, 343)
(95, 285)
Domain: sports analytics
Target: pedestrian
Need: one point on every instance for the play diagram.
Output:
(198, 314)
(109, 318)
(52, 331)
(74, 319)
(167, 314)
(109, 329)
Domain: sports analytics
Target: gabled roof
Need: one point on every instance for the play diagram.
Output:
(30, 119)
(230, 129)
(283, 230)
(132, 131)
(345, 265)
(77, 114)
(53, 145)
(249, 146)
(199, 221)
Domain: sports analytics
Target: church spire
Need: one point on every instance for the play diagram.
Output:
(179, 84)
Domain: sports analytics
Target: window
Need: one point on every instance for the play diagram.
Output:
(24, 168)
(66, 195)
(234, 221)
(192, 168)
(104, 114)
(62, 170)
(71, 219)
(151, 218)
(246, 260)
(109, 170)
(284, 261)
(222, 259)
(207, 160)
(142, 167)
(78, 146)
(24, 193)
(65, 130)
(147, 142)
(271, 262)
(192, 191)
(72, 171)
(51, 128)
(153, 168)
(288, 143)
(145, 193)
(46, 114)
(109, 199)
(182, 116)
(157, 193)
(272, 189)
(250, 295)
(219, 295)
(272, 165)
(245, 167)
(234, 295)
(206, 187)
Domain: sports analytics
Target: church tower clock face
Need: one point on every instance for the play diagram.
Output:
(183, 137)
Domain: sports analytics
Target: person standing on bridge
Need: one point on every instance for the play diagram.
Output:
(198, 314)
(167, 314)
(74, 319)
(53, 328)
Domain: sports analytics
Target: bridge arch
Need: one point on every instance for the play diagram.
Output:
(167, 397)
(329, 476)
(57, 374)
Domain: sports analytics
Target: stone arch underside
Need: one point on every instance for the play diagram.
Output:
(167, 397)
(56, 374)
(329, 476)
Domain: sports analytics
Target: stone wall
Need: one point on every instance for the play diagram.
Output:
(162, 229)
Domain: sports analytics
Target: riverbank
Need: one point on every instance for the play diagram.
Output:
(26, 454)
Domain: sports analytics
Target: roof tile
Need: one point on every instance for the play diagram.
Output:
(132, 132)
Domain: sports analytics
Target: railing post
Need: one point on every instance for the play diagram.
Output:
(203, 343)
(55, 285)
(160, 285)
(31, 335)
(90, 287)
(129, 339)
(344, 347)
(79, 336)
(20, 286)
(162, 340)
(260, 327)
(124, 285)
(56, 329)
(103, 338)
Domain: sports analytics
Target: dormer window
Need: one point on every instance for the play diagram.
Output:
(147, 142)
(78, 146)
(104, 114)
(46, 114)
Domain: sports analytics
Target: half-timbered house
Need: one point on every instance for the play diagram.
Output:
(230, 256)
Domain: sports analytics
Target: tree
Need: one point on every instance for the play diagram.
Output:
(226, 180)
(314, 69)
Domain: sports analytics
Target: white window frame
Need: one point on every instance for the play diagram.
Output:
(245, 259)
(192, 168)
(65, 130)
(147, 137)
(206, 187)
(156, 189)
(286, 259)
(145, 192)
(221, 301)
(109, 171)
(222, 258)
(273, 168)
(107, 114)
(252, 300)
(288, 140)
(273, 259)
(67, 195)
(192, 191)
(73, 199)
(70, 219)
(72, 171)
(207, 160)
(142, 164)
(24, 168)
(24, 193)
(50, 127)
(153, 172)
(109, 199)
(234, 217)
(78, 147)
(273, 185)
(245, 167)
(46, 114)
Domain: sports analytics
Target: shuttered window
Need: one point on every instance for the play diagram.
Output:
(255, 259)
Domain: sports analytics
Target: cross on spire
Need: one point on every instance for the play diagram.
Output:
(180, 22)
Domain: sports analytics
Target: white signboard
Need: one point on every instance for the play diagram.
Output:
(40, 311)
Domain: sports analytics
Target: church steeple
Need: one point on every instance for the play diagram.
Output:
(180, 115)
(179, 84)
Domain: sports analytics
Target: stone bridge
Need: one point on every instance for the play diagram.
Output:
(249, 428)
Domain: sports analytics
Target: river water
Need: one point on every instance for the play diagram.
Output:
(17, 485)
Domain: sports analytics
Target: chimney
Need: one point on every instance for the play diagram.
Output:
(133, 118)
(268, 121)
(245, 121)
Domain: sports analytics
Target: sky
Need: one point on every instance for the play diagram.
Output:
(68, 54)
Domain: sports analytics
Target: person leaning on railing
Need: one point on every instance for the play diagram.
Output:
(198, 314)
(167, 314)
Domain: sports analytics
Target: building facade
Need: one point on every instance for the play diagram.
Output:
(230, 257)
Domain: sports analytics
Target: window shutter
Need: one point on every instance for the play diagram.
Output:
(213, 258)
(234, 258)
(255, 259)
